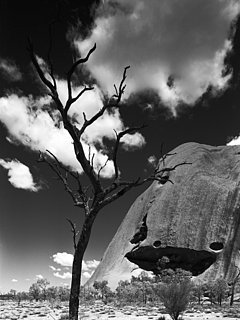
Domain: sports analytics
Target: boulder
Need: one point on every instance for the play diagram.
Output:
(192, 223)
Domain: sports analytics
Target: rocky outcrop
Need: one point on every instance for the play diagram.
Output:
(193, 223)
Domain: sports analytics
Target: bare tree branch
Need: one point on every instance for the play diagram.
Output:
(56, 166)
(72, 100)
(107, 105)
(69, 78)
(118, 194)
(119, 136)
(164, 156)
(158, 175)
(80, 61)
(74, 132)
(39, 70)
(75, 233)
(51, 73)
(122, 86)
(46, 82)
(101, 168)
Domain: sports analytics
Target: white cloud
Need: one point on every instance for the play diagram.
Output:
(19, 175)
(65, 275)
(27, 279)
(91, 103)
(14, 280)
(133, 141)
(88, 267)
(54, 269)
(63, 258)
(10, 70)
(234, 142)
(90, 264)
(39, 276)
(185, 39)
(35, 126)
(152, 160)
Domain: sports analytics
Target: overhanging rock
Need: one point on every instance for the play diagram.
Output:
(193, 222)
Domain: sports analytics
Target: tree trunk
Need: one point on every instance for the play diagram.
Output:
(232, 294)
(77, 266)
(75, 286)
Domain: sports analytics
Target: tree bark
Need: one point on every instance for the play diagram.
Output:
(77, 266)
(75, 287)
(232, 294)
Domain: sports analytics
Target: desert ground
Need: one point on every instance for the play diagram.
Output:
(10, 310)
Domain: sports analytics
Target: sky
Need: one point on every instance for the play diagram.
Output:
(183, 83)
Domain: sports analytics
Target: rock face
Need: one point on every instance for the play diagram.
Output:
(194, 222)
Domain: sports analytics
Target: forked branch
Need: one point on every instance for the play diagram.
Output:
(74, 132)
(117, 188)
(120, 91)
(71, 71)
(57, 167)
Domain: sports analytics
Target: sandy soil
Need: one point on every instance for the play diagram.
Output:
(44, 311)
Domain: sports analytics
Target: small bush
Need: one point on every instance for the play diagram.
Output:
(175, 297)
(162, 318)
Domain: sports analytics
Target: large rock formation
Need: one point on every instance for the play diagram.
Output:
(193, 222)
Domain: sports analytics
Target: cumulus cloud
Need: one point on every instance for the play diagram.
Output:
(10, 70)
(32, 123)
(14, 280)
(185, 40)
(90, 264)
(54, 269)
(65, 275)
(39, 276)
(133, 141)
(19, 175)
(66, 259)
(63, 258)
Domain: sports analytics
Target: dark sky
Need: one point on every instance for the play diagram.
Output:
(183, 83)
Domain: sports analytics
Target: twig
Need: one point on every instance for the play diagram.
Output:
(101, 168)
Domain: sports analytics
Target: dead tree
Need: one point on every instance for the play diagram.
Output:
(90, 201)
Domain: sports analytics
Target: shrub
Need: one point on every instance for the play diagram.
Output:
(175, 291)
(175, 297)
